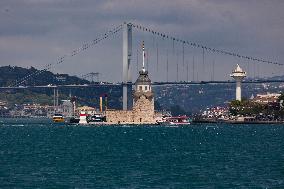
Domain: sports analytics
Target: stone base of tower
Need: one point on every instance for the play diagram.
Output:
(128, 117)
(142, 112)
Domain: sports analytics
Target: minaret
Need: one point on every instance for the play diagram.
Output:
(238, 74)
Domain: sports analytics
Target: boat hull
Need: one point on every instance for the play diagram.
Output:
(58, 118)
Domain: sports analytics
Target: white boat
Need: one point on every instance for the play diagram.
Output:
(96, 118)
(176, 120)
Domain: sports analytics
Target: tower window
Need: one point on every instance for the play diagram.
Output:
(140, 88)
(146, 88)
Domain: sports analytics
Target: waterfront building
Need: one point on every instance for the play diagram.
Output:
(215, 112)
(35, 110)
(238, 74)
(67, 108)
(86, 109)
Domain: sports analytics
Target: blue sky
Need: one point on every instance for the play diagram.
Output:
(37, 32)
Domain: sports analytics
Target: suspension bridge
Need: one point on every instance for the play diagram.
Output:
(169, 59)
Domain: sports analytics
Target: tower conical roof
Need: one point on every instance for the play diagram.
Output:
(238, 72)
(143, 78)
(238, 69)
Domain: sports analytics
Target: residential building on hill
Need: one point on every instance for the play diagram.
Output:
(266, 98)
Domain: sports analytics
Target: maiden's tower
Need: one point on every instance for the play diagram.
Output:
(143, 102)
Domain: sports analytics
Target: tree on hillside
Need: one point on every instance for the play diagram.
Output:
(280, 113)
(281, 100)
(246, 108)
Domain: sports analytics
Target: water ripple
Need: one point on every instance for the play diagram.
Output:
(44, 155)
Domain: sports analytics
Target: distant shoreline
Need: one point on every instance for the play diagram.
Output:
(238, 122)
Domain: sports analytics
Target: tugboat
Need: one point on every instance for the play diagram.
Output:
(177, 120)
(58, 118)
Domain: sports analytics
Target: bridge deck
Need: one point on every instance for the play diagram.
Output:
(154, 83)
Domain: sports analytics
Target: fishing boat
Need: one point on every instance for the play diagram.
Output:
(175, 120)
(58, 118)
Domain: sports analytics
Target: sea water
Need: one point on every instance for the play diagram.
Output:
(40, 154)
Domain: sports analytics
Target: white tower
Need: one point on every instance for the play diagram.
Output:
(238, 74)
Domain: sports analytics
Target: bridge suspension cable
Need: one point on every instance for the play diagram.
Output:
(164, 36)
(203, 47)
(60, 60)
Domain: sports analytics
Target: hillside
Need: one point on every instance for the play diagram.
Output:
(9, 74)
(190, 98)
(44, 96)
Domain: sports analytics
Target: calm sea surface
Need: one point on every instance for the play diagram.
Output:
(38, 154)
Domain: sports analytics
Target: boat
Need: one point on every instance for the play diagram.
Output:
(74, 120)
(84, 118)
(58, 118)
(175, 120)
(96, 118)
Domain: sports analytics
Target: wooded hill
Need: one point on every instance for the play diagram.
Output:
(10, 74)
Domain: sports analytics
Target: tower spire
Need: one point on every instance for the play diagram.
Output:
(143, 59)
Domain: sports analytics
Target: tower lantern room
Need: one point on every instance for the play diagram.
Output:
(143, 82)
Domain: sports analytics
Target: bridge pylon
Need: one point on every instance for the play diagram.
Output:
(127, 52)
